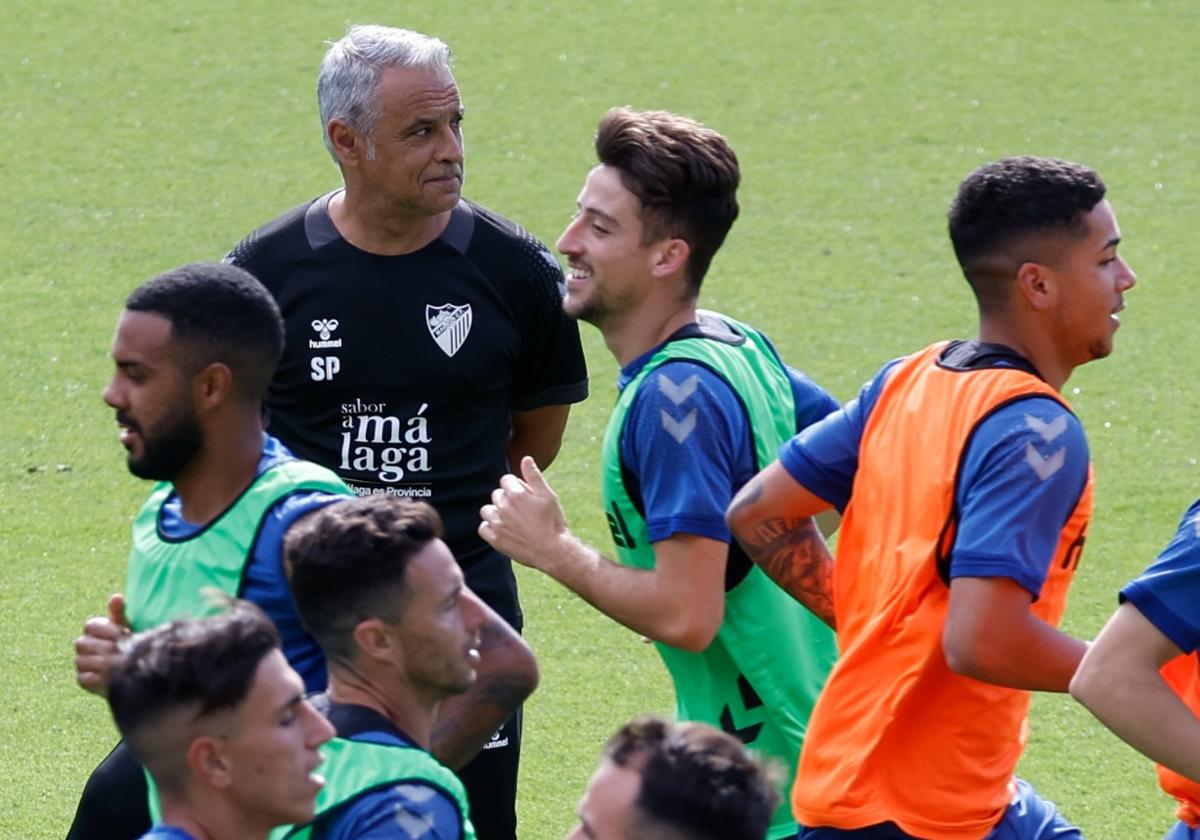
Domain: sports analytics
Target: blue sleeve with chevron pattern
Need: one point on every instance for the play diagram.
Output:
(1021, 477)
(687, 443)
(824, 456)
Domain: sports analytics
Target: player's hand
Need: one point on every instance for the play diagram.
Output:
(96, 649)
(524, 520)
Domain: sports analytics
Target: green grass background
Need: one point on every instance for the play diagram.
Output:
(140, 135)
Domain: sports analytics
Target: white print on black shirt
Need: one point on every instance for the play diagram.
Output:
(324, 367)
(384, 445)
(449, 325)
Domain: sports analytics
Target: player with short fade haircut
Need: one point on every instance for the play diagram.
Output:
(378, 588)
(427, 347)
(705, 402)
(684, 175)
(213, 711)
(676, 781)
(194, 351)
(966, 485)
(218, 313)
(1008, 210)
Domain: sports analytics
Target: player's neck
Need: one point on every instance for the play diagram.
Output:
(408, 711)
(1035, 345)
(221, 471)
(628, 335)
(211, 820)
(372, 226)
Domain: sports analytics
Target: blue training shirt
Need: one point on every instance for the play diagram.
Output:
(1167, 592)
(1021, 476)
(688, 480)
(408, 811)
(265, 583)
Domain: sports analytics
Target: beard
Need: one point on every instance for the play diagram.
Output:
(590, 310)
(173, 446)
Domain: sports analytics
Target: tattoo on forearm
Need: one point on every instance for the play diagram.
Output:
(467, 721)
(793, 554)
(459, 735)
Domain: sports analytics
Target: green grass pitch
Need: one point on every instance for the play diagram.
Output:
(142, 135)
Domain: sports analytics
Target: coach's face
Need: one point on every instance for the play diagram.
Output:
(151, 393)
(438, 632)
(412, 160)
(609, 267)
(606, 811)
(270, 754)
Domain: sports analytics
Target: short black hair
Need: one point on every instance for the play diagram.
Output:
(698, 782)
(684, 175)
(1002, 205)
(200, 667)
(223, 314)
(346, 563)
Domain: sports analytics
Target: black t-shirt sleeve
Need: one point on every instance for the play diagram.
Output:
(551, 369)
(242, 254)
(268, 251)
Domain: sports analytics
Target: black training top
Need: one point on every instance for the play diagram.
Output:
(400, 372)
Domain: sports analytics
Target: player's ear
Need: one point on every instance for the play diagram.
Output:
(349, 146)
(1034, 287)
(374, 641)
(212, 385)
(207, 762)
(670, 257)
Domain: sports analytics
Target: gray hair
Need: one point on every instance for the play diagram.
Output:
(352, 66)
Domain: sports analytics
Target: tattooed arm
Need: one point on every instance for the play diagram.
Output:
(771, 517)
(506, 675)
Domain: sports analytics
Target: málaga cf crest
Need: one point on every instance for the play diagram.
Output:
(449, 325)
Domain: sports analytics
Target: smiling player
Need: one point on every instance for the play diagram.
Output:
(705, 402)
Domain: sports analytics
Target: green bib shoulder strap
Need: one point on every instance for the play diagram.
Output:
(167, 578)
(352, 768)
(749, 364)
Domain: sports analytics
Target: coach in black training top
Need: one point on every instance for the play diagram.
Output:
(426, 345)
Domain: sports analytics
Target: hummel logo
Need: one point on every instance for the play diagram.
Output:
(1047, 431)
(325, 326)
(678, 393)
(679, 429)
(1044, 467)
(496, 741)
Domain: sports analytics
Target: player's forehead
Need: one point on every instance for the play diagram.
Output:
(275, 688)
(418, 93)
(142, 336)
(604, 191)
(606, 810)
(1102, 225)
(432, 571)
